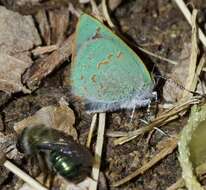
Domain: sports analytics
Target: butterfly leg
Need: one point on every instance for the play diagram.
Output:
(132, 115)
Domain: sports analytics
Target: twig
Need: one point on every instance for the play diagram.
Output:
(43, 67)
(44, 49)
(106, 14)
(171, 145)
(98, 150)
(28, 179)
(91, 130)
(110, 23)
(74, 11)
(157, 56)
(198, 71)
(132, 135)
(84, 1)
(95, 10)
(188, 16)
(204, 69)
(193, 59)
(162, 119)
(116, 134)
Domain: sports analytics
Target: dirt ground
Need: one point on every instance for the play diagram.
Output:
(157, 26)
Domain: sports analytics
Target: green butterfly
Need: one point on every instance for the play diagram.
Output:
(105, 72)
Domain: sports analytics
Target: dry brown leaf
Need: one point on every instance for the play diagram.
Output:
(44, 28)
(59, 21)
(59, 117)
(44, 66)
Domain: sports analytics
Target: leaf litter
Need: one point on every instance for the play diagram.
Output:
(18, 35)
(48, 65)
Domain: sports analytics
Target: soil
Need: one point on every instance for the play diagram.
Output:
(159, 27)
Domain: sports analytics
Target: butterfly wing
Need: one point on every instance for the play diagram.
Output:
(105, 71)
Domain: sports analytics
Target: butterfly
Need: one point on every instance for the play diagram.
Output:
(105, 72)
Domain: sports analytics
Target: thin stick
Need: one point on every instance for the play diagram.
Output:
(188, 16)
(162, 119)
(84, 1)
(172, 144)
(44, 49)
(204, 69)
(157, 56)
(28, 179)
(106, 14)
(91, 130)
(193, 58)
(98, 150)
(95, 10)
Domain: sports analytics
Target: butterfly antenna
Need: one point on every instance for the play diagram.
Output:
(179, 85)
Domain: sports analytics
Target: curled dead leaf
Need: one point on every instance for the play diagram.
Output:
(59, 117)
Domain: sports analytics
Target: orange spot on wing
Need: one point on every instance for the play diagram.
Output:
(93, 78)
(110, 56)
(119, 55)
(104, 62)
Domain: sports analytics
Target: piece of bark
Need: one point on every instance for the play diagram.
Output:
(10, 75)
(43, 24)
(33, 6)
(23, 56)
(44, 66)
(18, 33)
(4, 97)
(1, 124)
(59, 21)
(43, 50)
(12, 67)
